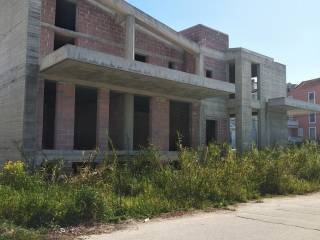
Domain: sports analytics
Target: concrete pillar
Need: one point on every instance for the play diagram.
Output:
(128, 124)
(64, 122)
(195, 124)
(130, 38)
(160, 122)
(103, 119)
(40, 105)
(200, 65)
(278, 127)
(243, 104)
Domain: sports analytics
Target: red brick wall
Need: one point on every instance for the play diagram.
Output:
(64, 122)
(48, 14)
(46, 47)
(218, 68)
(97, 23)
(158, 52)
(159, 122)
(48, 11)
(301, 93)
(222, 130)
(103, 119)
(208, 37)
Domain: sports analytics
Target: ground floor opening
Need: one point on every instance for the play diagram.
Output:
(75, 115)
(179, 124)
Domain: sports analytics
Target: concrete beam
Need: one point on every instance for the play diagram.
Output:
(120, 7)
(101, 7)
(150, 23)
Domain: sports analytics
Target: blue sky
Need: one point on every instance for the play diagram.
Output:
(287, 30)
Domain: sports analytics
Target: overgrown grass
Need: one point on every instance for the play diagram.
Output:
(213, 176)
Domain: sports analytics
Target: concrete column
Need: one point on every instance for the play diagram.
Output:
(128, 124)
(64, 122)
(160, 122)
(130, 37)
(195, 124)
(103, 119)
(40, 105)
(278, 127)
(243, 104)
(200, 65)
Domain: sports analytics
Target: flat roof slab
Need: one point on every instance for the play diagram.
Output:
(293, 106)
(73, 64)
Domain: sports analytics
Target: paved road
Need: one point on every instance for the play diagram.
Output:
(275, 219)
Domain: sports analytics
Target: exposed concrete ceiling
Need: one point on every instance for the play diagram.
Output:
(293, 106)
(79, 65)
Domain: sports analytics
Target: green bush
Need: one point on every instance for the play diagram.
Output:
(12, 232)
(89, 205)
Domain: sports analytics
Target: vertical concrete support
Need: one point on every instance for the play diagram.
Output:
(103, 119)
(243, 104)
(128, 124)
(64, 122)
(200, 64)
(130, 37)
(160, 122)
(195, 124)
(40, 103)
(278, 127)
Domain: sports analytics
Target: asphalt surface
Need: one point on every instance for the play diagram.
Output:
(289, 218)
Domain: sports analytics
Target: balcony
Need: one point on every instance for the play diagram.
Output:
(295, 140)
(293, 123)
(82, 66)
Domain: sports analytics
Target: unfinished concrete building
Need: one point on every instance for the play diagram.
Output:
(73, 72)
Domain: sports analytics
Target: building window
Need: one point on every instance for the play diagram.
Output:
(85, 123)
(140, 58)
(208, 73)
(255, 78)
(211, 131)
(172, 65)
(232, 73)
(66, 14)
(312, 97)
(49, 114)
(313, 133)
(312, 118)
(300, 132)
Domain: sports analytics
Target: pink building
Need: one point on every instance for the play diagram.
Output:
(305, 126)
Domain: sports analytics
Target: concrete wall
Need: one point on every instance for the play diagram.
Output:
(272, 84)
(19, 44)
(215, 109)
(274, 128)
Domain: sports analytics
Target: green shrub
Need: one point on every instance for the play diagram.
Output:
(89, 205)
(12, 232)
